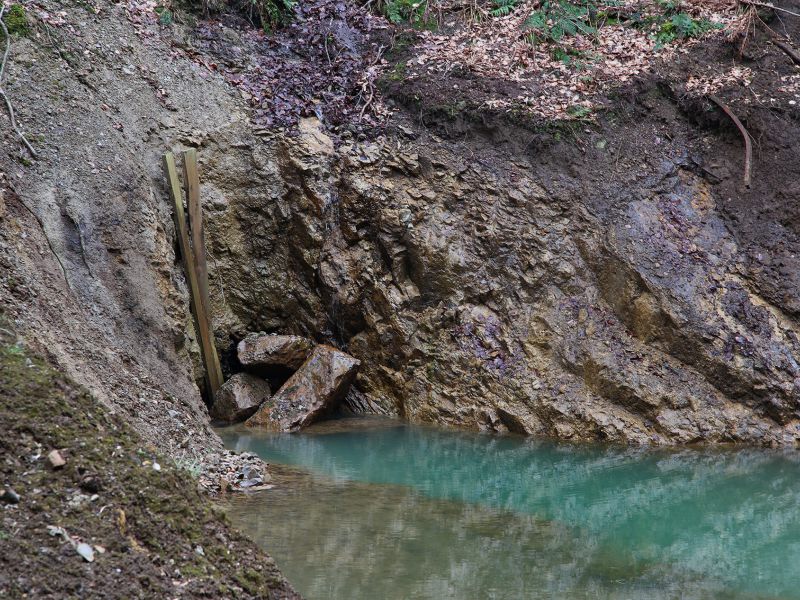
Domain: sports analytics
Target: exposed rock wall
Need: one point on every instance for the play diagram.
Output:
(116, 320)
(484, 288)
(593, 287)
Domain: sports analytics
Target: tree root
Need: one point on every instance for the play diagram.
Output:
(791, 52)
(9, 106)
(768, 5)
(748, 146)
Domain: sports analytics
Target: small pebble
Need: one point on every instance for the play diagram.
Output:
(56, 460)
(86, 551)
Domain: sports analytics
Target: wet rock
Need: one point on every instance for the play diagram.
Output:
(313, 390)
(251, 477)
(259, 349)
(239, 397)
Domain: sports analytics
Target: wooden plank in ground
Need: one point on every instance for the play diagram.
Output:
(198, 239)
(207, 349)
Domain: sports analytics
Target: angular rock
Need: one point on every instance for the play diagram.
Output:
(239, 397)
(56, 460)
(258, 349)
(319, 383)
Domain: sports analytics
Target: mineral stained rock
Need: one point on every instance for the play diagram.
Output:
(239, 397)
(314, 389)
(260, 349)
(523, 296)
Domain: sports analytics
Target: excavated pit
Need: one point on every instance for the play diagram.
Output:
(595, 294)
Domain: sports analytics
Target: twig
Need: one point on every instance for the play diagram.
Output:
(767, 5)
(789, 50)
(748, 147)
(2, 91)
(368, 82)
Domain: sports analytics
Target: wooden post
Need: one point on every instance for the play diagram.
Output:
(200, 307)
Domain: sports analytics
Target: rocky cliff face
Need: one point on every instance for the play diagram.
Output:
(611, 281)
(596, 296)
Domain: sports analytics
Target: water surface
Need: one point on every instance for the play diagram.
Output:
(375, 509)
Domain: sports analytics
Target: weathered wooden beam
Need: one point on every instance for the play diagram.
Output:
(199, 309)
(197, 236)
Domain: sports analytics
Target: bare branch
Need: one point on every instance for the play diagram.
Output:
(768, 5)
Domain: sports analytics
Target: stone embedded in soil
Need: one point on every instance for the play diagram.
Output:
(260, 349)
(239, 397)
(56, 460)
(9, 496)
(313, 390)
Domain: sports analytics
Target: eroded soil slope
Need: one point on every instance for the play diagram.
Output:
(140, 522)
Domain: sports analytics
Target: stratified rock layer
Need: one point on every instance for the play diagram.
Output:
(560, 294)
(260, 349)
(314, 389)
(239, 397)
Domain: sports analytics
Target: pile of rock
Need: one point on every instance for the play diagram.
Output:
(322, 377)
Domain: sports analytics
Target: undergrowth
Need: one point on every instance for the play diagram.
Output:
(554, 20)
(267, 14)
(16, 20)
(414, 12)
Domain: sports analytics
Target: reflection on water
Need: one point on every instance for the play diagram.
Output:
(409, 512)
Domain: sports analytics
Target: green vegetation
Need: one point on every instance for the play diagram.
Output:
(268, 14)
(671, 23)
(273, 13)
(501, 8)
(194, 467)
(414, 12)
(554, 20)
(165, 15)
(683, 26)
(16, 20)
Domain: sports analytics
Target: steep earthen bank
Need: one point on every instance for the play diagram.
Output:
(109, 517)
(607, 280)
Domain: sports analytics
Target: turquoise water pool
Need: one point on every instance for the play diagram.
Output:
(374, 509)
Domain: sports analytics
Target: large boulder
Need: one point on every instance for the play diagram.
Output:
(314, 389)
(239, 397)
(260, 349)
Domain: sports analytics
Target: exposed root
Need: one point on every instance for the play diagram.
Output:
(9, 106)
(791, 52)
(768, 5)
(748, 146)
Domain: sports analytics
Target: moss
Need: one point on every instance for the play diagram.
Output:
(16, 20)
(250, 580)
